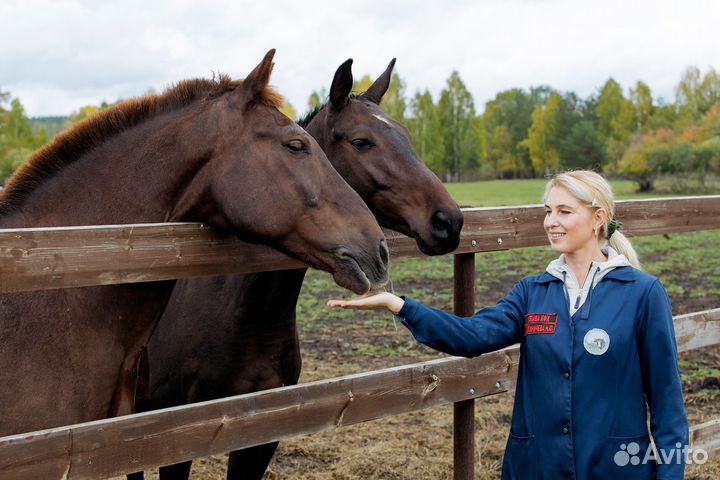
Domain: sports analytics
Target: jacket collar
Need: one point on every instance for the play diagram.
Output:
(623, 274)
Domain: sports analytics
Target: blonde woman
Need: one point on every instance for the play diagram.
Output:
(597, 346)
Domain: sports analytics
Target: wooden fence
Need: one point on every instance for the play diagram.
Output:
(36, 259)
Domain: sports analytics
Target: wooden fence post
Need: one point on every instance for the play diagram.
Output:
(464, 412)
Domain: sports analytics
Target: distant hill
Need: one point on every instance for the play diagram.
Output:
(52, 125)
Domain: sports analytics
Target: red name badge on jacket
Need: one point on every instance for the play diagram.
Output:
(540, 323)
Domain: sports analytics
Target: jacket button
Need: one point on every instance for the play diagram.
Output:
(567, 374)
(566, 430)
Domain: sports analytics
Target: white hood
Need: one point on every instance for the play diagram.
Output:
(578, 294)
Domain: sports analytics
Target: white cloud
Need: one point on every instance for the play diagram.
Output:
(59, 55)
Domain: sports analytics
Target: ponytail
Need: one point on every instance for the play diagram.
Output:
(621, 244)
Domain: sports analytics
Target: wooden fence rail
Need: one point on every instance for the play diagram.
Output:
(46, 258)
(36, 259)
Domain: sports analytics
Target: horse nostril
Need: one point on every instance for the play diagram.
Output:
(440, 224)
(384, 252)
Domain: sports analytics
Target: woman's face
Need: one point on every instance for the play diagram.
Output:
(568, 222)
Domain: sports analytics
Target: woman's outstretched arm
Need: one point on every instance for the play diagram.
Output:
(489, 329)
(381, 301)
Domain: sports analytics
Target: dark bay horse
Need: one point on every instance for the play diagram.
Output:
(249, 341)
(214, 151)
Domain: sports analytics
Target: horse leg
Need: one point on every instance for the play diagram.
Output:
(250, 463)
(179, 471)
(136, 476)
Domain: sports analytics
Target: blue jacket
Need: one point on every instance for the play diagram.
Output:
(583, 381)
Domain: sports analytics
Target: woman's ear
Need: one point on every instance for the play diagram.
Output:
(600, 218)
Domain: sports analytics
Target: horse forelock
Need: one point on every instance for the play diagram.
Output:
(94, 131)
(272, 98)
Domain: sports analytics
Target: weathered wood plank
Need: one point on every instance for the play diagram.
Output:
(503, 228)
(706, 436)
(464, 412)
(698, 329)
(121, 445)
(38, 259)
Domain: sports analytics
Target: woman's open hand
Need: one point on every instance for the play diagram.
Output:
(381, 301)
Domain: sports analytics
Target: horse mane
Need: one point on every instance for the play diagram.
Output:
(94, 131)
(308, 117)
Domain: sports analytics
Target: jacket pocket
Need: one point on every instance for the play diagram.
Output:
(623, 457)
(519, 462)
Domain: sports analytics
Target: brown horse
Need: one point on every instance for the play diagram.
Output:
(213, 151)
(249, 341)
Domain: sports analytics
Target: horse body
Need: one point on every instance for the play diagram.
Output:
(218, 152)
(252, 343)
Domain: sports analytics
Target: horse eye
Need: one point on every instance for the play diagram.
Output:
(362, 144)
(296, 146)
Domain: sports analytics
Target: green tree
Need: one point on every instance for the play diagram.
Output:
(664, 116)
(457, 112)
(581, 148)
(11, 160)
(642, 100)
(708, 158)
(636, 162)
(361, 86)
(393, 102)
(543, 140)
(17, 140)
(481, 133)
(696, 94)
(513, 110)
(4, 96)
(427, 133)
(317, 99)
(616, 120)
(686, 96)
(709, 92)
(500, 153)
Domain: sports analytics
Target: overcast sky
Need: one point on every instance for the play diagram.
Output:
(58, 55)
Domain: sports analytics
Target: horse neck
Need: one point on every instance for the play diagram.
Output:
(135, 176)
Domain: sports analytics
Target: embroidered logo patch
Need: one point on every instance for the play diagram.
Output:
(540, 323)
(596, 341)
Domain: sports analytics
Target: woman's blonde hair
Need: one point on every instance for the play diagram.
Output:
(592, 189)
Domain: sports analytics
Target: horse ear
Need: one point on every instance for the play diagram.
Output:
(341, 85)
(257, 81)
(380, 86)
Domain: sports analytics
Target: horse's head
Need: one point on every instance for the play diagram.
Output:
(267, 180)
(374, 155)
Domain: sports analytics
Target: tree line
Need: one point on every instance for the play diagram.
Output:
(522, 133)
(539, 131)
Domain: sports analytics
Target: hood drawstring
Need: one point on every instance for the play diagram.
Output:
(585, 312)
(567, 294)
